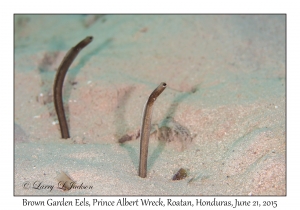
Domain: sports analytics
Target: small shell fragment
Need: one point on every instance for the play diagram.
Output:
(64, 181)
(125, 138)
(129, 137)
(181, 174)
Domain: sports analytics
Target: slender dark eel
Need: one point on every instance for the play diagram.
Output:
(146, 127)
(58, 84)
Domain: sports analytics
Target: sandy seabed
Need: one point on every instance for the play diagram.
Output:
(226, 83)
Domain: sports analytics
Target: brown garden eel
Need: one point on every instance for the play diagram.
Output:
(146, 127)
(58, 84)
